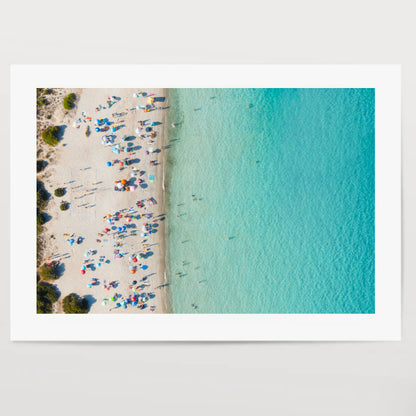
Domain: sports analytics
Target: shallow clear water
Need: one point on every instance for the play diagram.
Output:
(288, 176)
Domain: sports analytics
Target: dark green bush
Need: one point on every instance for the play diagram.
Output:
(40, 219)
(49, 272)
(49, 116)
(47, 294)
(59, 192)
(42, 101)
(64, 206)
(42, 196)
(40, 165)
(69, 101)
(74, 304)
(50, 135)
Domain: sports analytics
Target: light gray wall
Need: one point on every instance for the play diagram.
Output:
(214, 378)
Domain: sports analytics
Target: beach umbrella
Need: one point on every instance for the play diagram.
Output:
(113, 129)
(82, 271)
(120, 163)
(144, 267)
(97, 264)
(124, 228)
(123, 181)
(108, 163)
(106, 230)
(132, 271)
(119, 229)
(83, 268)
(128, 219)
(89, 285)
(97, 129)
(134, 259)
(104, 302)
(108, 215)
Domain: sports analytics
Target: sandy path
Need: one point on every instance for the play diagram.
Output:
(80, 166)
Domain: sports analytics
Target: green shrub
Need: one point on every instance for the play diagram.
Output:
(64, 206)
(50, 135)
(59, 192)
(49, 116)
(42, 196)
(49, 271)
(47, 294)
(40, 219)
(42, 101)
(40, 165)
(69, 101)
(74, 304)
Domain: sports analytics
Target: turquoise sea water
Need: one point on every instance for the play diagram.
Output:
(286, 174)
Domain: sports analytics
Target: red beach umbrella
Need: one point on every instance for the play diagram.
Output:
(82, 271)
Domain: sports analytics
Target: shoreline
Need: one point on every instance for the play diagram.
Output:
(76, 149)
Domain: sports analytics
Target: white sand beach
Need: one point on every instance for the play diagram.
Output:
(79, 164)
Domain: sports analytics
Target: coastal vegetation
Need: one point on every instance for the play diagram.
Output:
(75, 304)
(59, 192)
(42, 198)
(69, 101)
(49, 271)
(64, 206)
(50, 135)
(40, 165)
(40, 99)
(47, 294)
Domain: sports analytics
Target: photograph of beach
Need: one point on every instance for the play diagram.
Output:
(205, 200)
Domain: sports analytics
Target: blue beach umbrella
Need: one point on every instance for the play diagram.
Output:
(144, 267)
(108, 163)
(97, 129)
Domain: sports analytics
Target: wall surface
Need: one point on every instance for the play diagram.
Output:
(213, 378)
